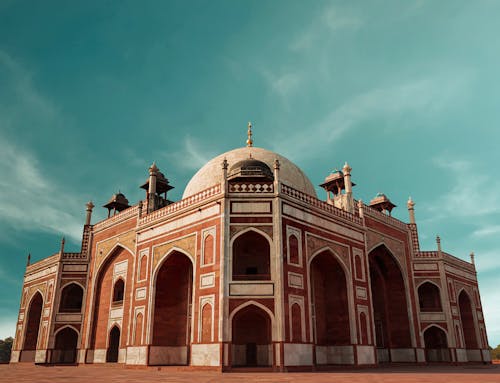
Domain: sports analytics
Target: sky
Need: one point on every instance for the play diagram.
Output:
(91, 93)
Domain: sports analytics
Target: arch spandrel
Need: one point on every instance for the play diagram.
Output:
(267, 229)
(186, 244)
(105, 248)
(316, 245)
(395, 247)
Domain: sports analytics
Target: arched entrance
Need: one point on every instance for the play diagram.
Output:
(468, 328)
(172, 311)
(392, 325)
(65, 347)
(32, 328)
(251, 338)
(114, 345)
(436, 345)
(330, 308)
(104, 288)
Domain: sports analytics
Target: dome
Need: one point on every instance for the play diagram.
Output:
(211, 173)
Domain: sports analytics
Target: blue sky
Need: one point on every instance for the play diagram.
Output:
(92, 92)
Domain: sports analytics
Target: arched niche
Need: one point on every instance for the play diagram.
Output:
(429, 297)
(251, 344)
(65, 346)
(71, 298)
(251, 257)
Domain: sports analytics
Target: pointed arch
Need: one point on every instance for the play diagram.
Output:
(330, 299)
(118, 290)
(251, 335)
(65, 345)
(250, 303)
(113, 351)
(171, 316)
(436, 343)
(250, 257)
(71, 298)
(33, 321)
(467, 319)
(102, 299)
(390, 301)
(429, 296)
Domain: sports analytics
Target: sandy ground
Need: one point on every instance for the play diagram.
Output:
(395, 374)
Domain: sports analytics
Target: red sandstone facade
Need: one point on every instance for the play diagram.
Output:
(250, 269)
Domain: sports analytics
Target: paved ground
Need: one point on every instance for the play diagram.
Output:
(96, 374)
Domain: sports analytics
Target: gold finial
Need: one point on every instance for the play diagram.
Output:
(249, 132)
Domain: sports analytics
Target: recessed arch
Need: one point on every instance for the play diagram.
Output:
(436, 344)
(65, 345)
(113, 351)
(32, 323)
(250, 303)
(251, 255)
(102, 288)
(466, 308)
(118, 290)
(251, 336)
(171, 309)
(429, 296)
(390, 300)
(330, 299)
(71, 299)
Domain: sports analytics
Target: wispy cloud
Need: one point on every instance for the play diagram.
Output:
(472, 194)
(328, 22)
(428, 94)
(487, 231)
(191, 155)
(29, 198)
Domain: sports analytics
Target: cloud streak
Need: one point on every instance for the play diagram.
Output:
(428, 94)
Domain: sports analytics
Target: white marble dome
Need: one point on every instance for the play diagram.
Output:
(211, 173)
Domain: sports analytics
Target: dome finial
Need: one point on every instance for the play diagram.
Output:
(249, 132)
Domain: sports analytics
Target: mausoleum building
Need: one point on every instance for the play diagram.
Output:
(251, 268)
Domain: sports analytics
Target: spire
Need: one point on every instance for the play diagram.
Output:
(29, 260)
(472, 258)
(249, 133)
(62, 245)
(438, 241)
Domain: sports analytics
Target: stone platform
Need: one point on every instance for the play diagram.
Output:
(394, 374)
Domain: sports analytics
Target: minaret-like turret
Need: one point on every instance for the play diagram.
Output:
(156, 187)
(349, 202)
(88, 218)
(153, 172)
(411, 210)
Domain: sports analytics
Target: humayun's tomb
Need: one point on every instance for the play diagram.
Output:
(249, 269)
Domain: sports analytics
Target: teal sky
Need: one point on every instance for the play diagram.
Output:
(92, 92)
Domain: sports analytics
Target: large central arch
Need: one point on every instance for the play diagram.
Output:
(467, 319)
(330, 309)
(390, 305)
(251, 336)
(106, 277)
(171, 336)
(32, 328)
